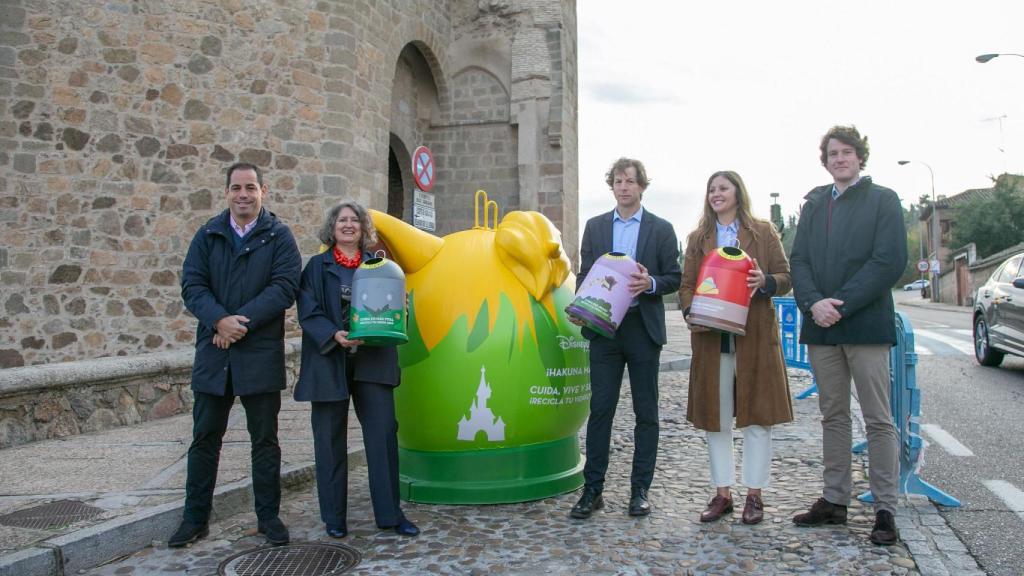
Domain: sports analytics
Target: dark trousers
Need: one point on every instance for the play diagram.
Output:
(375, 408)
(632, 347)
(209, 423)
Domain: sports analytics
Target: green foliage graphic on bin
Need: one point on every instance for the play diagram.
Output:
(495, 380)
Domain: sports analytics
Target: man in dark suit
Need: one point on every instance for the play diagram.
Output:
(240, 275)
(650, 241)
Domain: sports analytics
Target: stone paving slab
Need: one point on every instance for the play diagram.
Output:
(540, 538)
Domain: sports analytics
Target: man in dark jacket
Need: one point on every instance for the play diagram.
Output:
(240, 275)
(850, 248)
(652, 243)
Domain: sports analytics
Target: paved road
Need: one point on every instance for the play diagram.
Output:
(971, 416)
(937, 332)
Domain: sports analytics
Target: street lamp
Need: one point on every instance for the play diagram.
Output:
(936, 225)
(777, 213)
(983, 58)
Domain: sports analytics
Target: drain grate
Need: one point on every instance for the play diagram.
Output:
(298, 559)
(52, 515)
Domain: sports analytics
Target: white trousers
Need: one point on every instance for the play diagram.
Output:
(757, 440)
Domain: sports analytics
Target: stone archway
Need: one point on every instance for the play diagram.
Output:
(415, 102)
(399, 180)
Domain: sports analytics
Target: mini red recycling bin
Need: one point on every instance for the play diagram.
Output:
(722, 299)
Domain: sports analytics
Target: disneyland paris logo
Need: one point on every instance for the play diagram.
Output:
(569, 343)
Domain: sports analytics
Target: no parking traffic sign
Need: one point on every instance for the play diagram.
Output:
(423, 168)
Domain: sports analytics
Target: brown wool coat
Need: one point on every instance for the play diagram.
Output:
(762, 387)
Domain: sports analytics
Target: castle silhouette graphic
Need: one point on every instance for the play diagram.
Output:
(481, 417)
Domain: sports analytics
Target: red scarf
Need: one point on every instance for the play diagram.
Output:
(345, 261)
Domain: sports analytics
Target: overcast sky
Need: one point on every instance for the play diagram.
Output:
(694, 87)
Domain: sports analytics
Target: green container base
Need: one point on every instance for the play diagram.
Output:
(491, 476)
(379, 337)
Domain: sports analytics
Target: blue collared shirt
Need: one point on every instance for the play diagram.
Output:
(625, 234)
(836, 193)
(728, 235)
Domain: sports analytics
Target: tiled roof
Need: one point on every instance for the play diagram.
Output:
(967, 196)
(973, 195)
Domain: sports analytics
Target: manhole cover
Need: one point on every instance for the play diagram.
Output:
(52, 515)
(292, 560)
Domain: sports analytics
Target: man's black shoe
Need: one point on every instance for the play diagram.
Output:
(590, 500)
(187, 533)
(275, 531)
(885, 532)
(638, 504)
(822, 512)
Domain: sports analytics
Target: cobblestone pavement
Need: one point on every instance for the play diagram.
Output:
(540, 538)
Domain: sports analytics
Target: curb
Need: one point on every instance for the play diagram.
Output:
(675, 364)
(938, 306)
(94, 545)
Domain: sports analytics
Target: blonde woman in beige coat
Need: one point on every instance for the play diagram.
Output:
(741, 377)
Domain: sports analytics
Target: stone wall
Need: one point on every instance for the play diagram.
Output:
(475, 149)
(63, 399)
(120, 118)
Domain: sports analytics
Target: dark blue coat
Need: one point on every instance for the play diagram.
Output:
(260, 281)
(322, 375)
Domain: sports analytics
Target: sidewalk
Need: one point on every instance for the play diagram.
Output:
(133, 479)
(135, 476)
(919, 302)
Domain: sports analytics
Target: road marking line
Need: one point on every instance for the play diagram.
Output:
(1008, 493)
(922, 350)
(946, 440)
(964, 332)
(956, 343)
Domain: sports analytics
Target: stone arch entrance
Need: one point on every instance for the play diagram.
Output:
(415, 101)
(400, 182)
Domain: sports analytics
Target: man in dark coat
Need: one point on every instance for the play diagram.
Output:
(850, 248)
(637, 344)
(240, 275)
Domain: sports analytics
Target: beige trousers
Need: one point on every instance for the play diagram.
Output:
(869, 366)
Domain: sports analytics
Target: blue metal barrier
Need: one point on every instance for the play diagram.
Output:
(904, 397)
(905, 401)
(790, 321)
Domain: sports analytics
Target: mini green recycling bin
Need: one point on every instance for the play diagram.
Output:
(377, 312)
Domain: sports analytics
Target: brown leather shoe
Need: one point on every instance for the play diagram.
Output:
(718, 507)
(753, 510)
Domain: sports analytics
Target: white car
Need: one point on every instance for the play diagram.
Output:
(916, 285)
